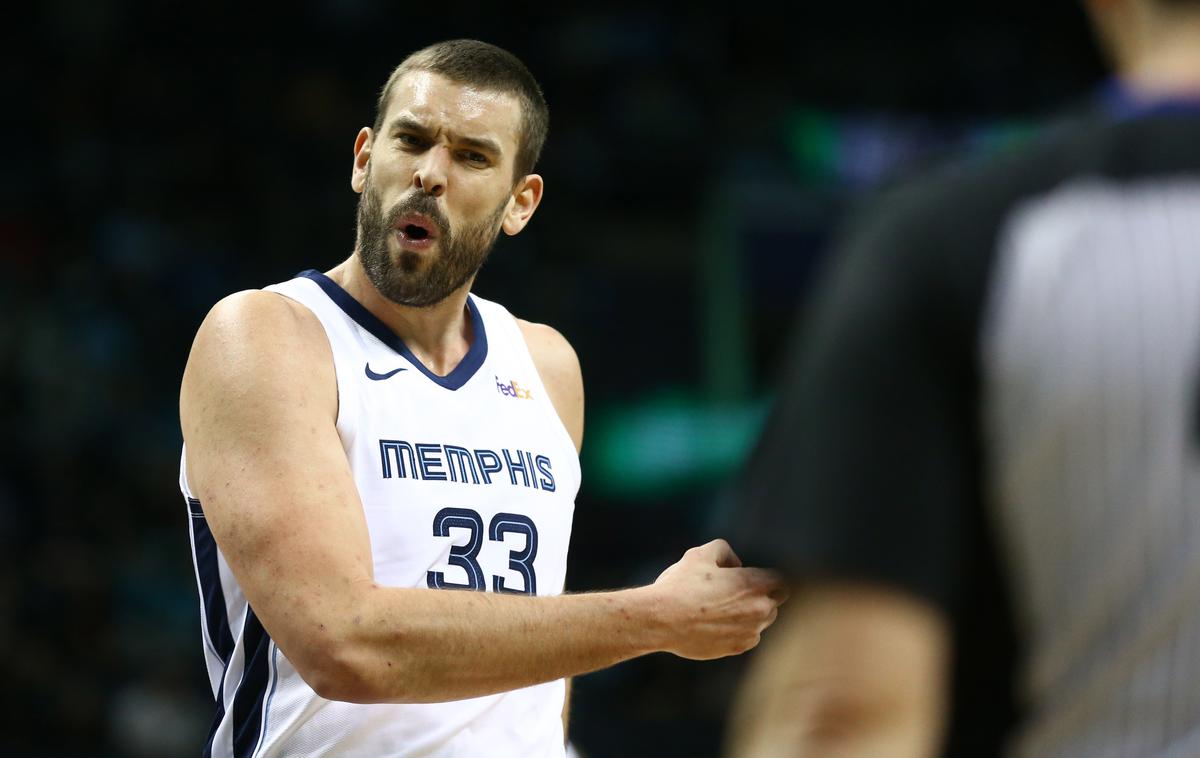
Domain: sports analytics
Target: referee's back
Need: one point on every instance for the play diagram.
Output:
(983, 470)
(994, 408)
(1089, 345)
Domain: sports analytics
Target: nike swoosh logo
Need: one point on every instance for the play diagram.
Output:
(380, 377)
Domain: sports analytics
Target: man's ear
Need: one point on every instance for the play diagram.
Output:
(525, 199)
(362, 157)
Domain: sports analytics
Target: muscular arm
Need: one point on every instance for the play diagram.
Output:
(258, 409)
(851, 670)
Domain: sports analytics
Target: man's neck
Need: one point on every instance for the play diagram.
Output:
(439, 336)
(1166, 63)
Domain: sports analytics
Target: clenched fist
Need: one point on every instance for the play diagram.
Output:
(711, 606)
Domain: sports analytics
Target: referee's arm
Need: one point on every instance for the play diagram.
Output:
(859, 491)
(851, 670)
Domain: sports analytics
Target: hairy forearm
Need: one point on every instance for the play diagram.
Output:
(420, 646)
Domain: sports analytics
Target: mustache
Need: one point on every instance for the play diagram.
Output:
(419, 202)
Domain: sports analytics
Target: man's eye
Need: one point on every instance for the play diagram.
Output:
(473, 157)
(410, 140)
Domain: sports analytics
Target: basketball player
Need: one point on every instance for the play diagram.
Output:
(361, 441)
(984, 475)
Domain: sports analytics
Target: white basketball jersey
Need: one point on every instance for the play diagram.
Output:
(466, 481)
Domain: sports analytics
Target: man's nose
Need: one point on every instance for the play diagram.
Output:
(430, 176)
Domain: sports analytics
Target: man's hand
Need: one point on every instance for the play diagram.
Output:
(714, 606)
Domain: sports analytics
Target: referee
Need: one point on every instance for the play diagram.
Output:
(983, 474)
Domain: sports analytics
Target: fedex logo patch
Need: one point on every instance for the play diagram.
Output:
(512, 389)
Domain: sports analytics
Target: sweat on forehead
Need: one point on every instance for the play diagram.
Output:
(425, 92)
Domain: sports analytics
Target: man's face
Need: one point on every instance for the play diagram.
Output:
(438, 186)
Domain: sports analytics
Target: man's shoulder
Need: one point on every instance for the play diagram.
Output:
(260, 312)
(253, 331)
(551, 351)
(544, 336)
(255, 353)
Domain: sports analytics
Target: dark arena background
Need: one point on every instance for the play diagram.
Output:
(159, 156)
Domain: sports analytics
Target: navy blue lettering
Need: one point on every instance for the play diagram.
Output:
(463, 556)
(520, 561)
(466, 556)
(543, 466)
(431, 467)
(396, 447)
(515, 466)
(489, 463)
(462, 457)
(529, 468)
(437, 462)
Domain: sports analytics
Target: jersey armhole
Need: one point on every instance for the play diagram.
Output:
(559, 424)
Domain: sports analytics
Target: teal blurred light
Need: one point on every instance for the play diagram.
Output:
(669, 443)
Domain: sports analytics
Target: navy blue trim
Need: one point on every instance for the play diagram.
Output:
(215, 617)
(216, 620)
(218, 717)
(1122, 102)
(248, 700)
(271, 695)
(461, 374)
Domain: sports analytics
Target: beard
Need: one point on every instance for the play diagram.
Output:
(402, 280)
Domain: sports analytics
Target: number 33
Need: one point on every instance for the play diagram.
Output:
(466, 556)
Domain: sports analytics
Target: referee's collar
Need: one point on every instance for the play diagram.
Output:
(1122, 101)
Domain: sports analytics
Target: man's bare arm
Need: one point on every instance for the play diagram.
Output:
(851, 670)
(258, 409)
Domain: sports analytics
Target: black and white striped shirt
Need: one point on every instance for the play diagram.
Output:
(992, 403)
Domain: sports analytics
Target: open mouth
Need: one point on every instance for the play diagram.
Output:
(417, 226)
(414, 232)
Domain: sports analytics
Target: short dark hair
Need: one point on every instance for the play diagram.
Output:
(479, 64)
